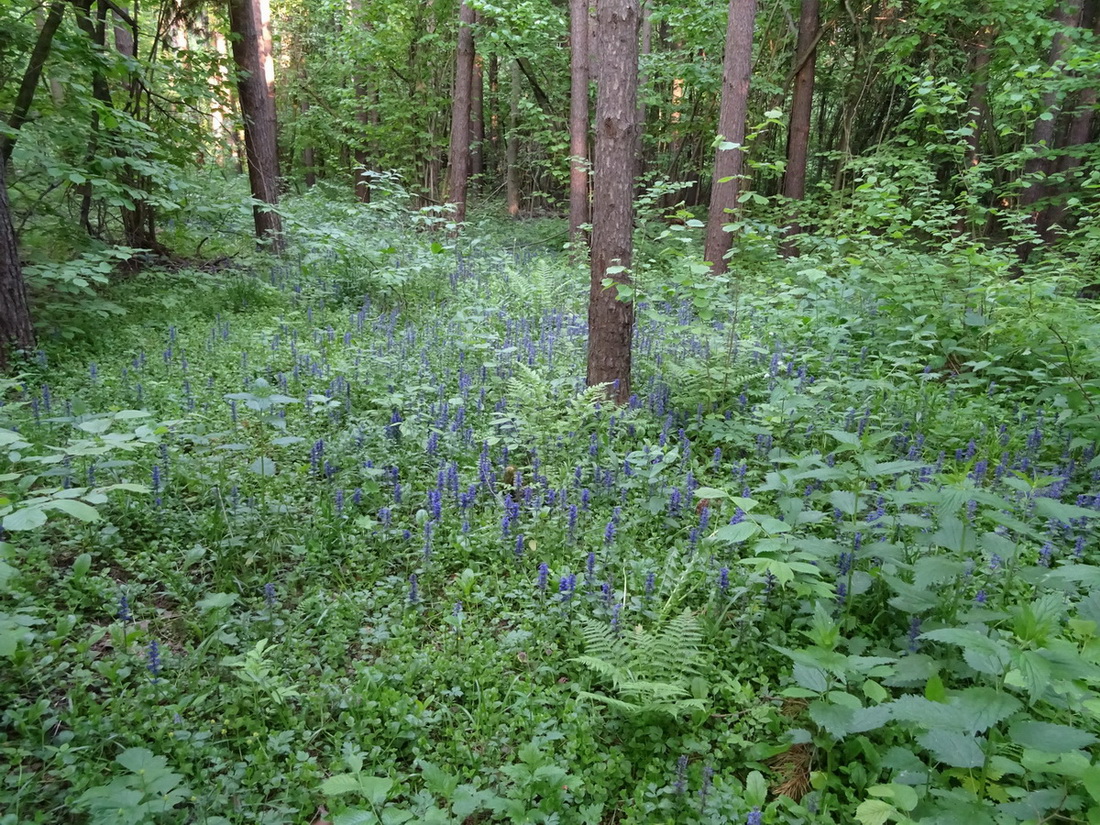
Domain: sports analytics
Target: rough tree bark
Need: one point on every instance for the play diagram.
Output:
(732, 113)
(610, 320)
(578, 120)
(460, 112)
(256, 90)
(798, 133)
(16, 330)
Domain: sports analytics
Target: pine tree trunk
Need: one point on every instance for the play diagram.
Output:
(610, 320)
(255, 87)
(16, 330)
(733, 111)
(578, 120)
(460, 112)
(798, 133)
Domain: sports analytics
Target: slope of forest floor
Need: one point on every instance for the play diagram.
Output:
(342, 537)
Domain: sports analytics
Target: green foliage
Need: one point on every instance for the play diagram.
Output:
(651, 671)
(147, 791)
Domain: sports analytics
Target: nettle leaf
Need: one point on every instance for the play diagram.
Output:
(984, 707)
(845, 501)
(811, 678)
(834, 719)
(1050, 737)
(263, 467)
(982, 653)
(1030, 672)
(959, 750)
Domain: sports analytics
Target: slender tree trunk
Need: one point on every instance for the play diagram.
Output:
(798, 133)
(512, 148)
(494, 114)
(460, 112)
(96, 30)
(25, 96)
(578, 120)
(138, 219)
(16, 330)
(477, 122)
(255, 88)
(308, 160)
(977, 103)
(728, 162)
(362, 117)
(1041, 164)
(610, 320)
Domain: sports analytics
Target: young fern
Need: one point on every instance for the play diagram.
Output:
(649, 671)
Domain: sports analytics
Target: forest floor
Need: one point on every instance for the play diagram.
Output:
(378, 556)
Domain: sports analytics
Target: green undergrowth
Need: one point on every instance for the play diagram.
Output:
(343, 537)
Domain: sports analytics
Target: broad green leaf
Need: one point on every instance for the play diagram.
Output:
(376, 789)
(845, 501)
(811, 678)
(215, 600)
(959, 750)
(437, 780)
(27, 518)
(710, 492)
(341, 784)
(756, 789)
(263, 467)
(875, 812)
(1050, 737)
(77, 509)
(739, 532)
(141, 760)
(835, 719)
(984, 707)
(982, 653)
(356, 816)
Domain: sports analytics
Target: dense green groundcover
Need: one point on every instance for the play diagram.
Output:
(342, 537)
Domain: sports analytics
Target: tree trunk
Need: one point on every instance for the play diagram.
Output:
(309, 154)
(798, 133)
(16, 330)
(138, 219)
(1041, 164)
(728, 163)
(256, 89)
(25, 96)
(512, 140)
(460, 112)
(477, 120)
(611, 320)
(1078, 131)
(578, 120)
